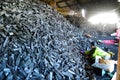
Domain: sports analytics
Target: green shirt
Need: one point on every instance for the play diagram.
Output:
(97, 52)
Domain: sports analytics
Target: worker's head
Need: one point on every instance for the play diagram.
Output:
(93, 44)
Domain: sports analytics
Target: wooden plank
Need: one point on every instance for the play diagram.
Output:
(118, 64)
(63, 4)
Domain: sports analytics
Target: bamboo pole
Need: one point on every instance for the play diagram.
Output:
(118, 63)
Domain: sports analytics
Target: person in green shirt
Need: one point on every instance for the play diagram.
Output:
(96, 51)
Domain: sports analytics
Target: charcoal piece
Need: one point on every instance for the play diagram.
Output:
(38, 75)
(19, 78)
(46, 63)
(6, 41)
(58, 77)
(51, 76)
(56, 65)
(22, 73)
(10, 61)
(3, 65)
(67, 74)
(6, 71)
(42, 67)
(18, 60)
(77, 77)
(59, 72)
(9, 77)
(71, 72)
(2, 76)
(29, 74)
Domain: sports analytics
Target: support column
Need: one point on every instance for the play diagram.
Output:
(118, 63)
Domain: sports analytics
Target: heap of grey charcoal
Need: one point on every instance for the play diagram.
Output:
(37, 43)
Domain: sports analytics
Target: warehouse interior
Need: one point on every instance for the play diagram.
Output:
(59, 39)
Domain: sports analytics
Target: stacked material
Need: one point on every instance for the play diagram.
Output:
(37, 43)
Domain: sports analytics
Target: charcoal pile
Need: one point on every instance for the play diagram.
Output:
(37, 43)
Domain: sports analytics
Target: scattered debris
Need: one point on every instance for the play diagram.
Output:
(88, 35)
